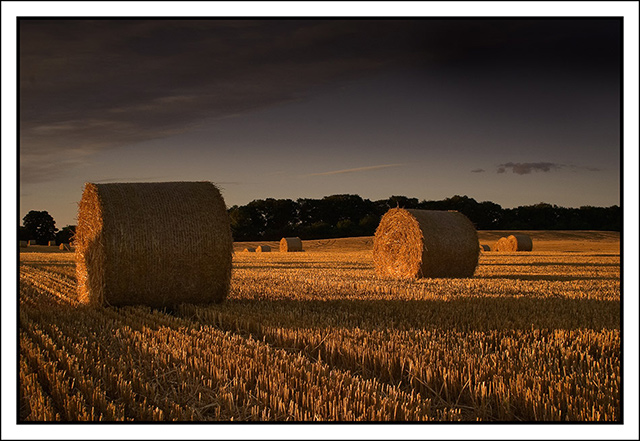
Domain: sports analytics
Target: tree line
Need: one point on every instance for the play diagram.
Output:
(348, 215)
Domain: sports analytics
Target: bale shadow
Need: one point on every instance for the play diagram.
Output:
(545, 277)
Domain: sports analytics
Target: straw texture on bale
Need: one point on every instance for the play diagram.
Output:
(484, 247)
(249, 250)
(263, 249)
(23, 243)
(288, 244)
(514, 242)
(425, 243)
(129, 244)
(502, 245)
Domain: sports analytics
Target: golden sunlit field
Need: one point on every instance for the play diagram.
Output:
(533, 336)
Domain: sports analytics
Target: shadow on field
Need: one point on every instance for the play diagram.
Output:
(545, 277)
(38, 264)
(571, 264)
(466, 314)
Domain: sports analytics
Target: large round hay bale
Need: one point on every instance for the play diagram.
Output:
(263, 249)
(520, 242)
(288, 244)
(157, 244)
(425, 243)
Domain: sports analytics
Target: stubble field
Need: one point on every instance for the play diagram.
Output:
(316, 336)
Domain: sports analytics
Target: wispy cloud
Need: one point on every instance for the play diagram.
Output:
(525, 168)
(478, 170)
(355, 170)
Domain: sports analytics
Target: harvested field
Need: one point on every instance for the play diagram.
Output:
(316, 336)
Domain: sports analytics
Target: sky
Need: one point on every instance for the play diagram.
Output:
(514, 111)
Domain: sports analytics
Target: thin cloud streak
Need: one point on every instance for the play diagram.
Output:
(354, 170)
(525, 168)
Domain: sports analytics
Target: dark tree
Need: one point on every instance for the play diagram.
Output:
(40, 226)
(23, 233)
(65, 235)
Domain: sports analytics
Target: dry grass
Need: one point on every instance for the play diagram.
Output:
(316, 336)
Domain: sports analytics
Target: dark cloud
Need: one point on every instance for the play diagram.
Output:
(478, 170)
(88, 85)
(525, 168)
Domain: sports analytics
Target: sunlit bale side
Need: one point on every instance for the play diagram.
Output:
(289, 244)
(130, 244)
(263, 249)
(502, 245)
(425, 243)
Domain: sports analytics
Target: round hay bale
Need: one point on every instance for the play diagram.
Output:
(31, 243)
(61, 246)
(289, 244)
(23, 243)
(130, 244)
(425, 243)
(263, 249)
(520, 242)
(502, 245)
(52, 243)
(484, 247)
(249, 250)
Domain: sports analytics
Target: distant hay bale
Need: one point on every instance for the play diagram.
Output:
(32, 243)
(289, 244)
(514, 242)
(484, 247)
(425, 243)
(23, 243)
(52, 243)
(502, 245)
(249, 250)
(263, 249)
(130, 244)
(520, 242)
